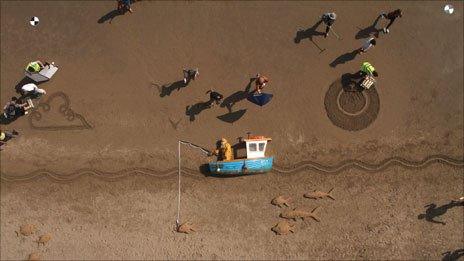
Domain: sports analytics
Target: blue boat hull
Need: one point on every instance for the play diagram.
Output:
(241, 167)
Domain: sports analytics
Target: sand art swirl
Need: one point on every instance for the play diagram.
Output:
(75, 120)
(300, 166)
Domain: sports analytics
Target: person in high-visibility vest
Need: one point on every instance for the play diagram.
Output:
(368, 69)
(35, 67)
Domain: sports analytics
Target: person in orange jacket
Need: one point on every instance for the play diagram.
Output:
(261, 81)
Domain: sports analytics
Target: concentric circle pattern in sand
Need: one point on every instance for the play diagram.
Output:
(351, 110)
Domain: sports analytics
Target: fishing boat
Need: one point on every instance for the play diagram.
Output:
(254, 161)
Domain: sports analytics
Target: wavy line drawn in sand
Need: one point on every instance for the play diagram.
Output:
(369, 167)
(300, 166)
(64, 109)
(351, 110)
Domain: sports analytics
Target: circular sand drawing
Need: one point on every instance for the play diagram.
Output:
(348, 107)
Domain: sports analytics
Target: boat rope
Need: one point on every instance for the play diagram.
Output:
(195, 146)
(205, 151)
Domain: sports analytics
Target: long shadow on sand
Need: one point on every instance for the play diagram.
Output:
(196, 109)
(167, 89)
(368, 31)
(308, 33)
(346, 57)
(109, 16)
(350, 82)
(232, 117)
(24, 81)
(6, 121)
(433, 211)
(453, 255)
(236, 97)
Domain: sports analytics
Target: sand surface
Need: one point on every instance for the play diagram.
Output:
(100, 175)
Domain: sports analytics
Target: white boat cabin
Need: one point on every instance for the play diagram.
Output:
(256, 146)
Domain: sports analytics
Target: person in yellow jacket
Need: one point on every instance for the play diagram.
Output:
(368, 69)
(225, 151)
(35, 67)
(5, 136)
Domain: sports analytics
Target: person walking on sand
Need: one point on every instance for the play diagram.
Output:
(260, 82)
(371, 42)
(214, 98)
(392, 17)
(329, 20)
(190, 74)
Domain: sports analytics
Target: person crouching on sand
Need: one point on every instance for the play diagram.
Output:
(31, 90)
(214, 98)
(190, 74)
(261, 81)
(124, 5)
(371, 42)
(367, 70)
(36, 66)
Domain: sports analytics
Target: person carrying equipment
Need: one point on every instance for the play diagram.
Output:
(328, 19)
(224, 152)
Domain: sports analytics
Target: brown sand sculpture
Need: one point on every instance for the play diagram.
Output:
(43, 239)
(34, 256)
(26, 230)
(186, 228)
(300, 213)
(316, 194)
(283, 228)
(281, 201)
